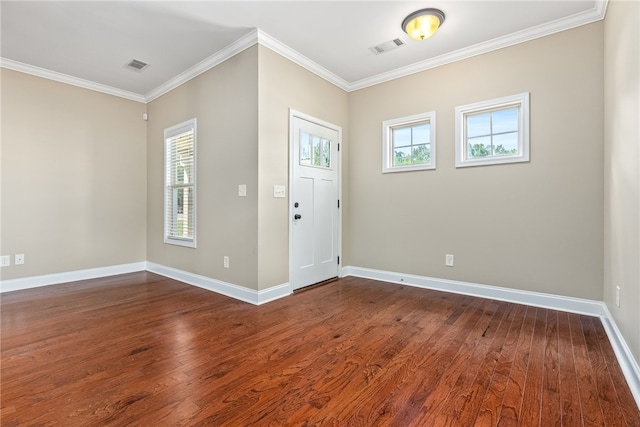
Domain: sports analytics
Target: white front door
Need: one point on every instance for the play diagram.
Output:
(314, 203)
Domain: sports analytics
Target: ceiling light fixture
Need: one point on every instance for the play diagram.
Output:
(423, 23)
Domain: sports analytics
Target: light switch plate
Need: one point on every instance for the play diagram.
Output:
(279, 191)
(242, 190)
(5, 261)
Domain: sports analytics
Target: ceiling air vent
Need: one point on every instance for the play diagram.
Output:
(387, 46)
(137, 65)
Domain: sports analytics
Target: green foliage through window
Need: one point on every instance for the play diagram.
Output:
(481, 150)
(315, 151)
(411, 144)
(492, 133)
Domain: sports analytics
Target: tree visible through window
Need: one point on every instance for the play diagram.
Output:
(495, 131)
(180, 166)
(409, 143)
(315, 151)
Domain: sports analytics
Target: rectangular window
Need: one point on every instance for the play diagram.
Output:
(315, 151)
(493, 132)
(180, 184)
(409, 143)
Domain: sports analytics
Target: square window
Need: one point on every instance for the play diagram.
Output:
(493, 132)
(409, 143)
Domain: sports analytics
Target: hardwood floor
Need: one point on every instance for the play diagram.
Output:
(143, 350)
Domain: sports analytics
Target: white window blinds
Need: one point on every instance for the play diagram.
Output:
(180, 180)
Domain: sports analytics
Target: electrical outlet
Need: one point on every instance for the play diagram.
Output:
(226, 261)
(618, 296)
(448, 260)
(5, 261)
(19, 259)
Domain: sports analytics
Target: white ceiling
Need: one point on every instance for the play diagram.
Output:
(89, 42)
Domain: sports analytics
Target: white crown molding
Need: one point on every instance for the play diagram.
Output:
(587, 17)
(296, 57)
(64, 78)
(69, 276)
(255, 36)
(217, 58)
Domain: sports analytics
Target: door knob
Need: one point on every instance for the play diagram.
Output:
(297, 216)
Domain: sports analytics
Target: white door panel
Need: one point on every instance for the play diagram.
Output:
(326, 206)
(304, 253)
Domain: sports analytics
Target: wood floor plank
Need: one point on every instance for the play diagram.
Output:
(143, 350)
(513, 397)
(389, 413)
(357, 346)
(532, 394)
(550, 412)
(492, 401)
(465, 397)
(570, 403)
(611, 411)
(422, 392)
(486, 374)
(587, 388)
(344, 336)
(420, 353)
(631, 415)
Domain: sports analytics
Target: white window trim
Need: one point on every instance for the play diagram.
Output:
(387, 145)
(168, 133)
(521, 100)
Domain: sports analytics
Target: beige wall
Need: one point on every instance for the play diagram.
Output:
(242, 108)
(622, 167)
(73, 177)
(108, 214)
(224, 100)
(535, 226)
(284, 85)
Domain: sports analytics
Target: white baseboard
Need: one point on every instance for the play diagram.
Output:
(627, 362)
(536, 299)
(228, 289)
(234, 291)
(69, 276)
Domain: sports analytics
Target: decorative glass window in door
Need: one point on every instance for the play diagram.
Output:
(315, 151)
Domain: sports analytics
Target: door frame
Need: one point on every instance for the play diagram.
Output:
(292, 114)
